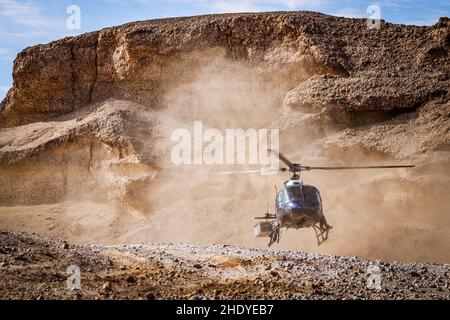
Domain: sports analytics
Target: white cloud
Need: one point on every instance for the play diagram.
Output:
(221, 6)
(350, 13)
(31, 34)
(6, 54)
(293, 4)
(23, 13)
(29, 21)
(232, 6)
(124, 2)
(392, 4)
(422, 22)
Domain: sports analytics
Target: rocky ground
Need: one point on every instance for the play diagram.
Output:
(34, 267)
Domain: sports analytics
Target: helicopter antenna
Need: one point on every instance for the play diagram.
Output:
(276, 195)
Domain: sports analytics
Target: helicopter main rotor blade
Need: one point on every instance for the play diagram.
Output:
(249, 171)
(359, 167)
(282, 158)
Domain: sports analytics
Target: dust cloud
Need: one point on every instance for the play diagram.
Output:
(378, 214)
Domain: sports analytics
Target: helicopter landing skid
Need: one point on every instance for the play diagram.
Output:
(321, 232)
(275, 234)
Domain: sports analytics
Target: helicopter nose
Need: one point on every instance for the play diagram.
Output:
(295, 205)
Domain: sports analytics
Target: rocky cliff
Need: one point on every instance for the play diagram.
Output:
(330, 62)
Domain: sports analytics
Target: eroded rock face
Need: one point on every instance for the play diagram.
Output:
(408, 136)
(93, 101)
(137, 62)
(93, 153)
(366, 92)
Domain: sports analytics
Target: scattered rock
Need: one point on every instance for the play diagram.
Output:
(154, 276)
(150, 296)
(131, 279)
(21, 257)
(107, 286)
(273, 273)
(415, 274)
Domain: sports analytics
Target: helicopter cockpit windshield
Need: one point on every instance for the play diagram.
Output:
(293, 194)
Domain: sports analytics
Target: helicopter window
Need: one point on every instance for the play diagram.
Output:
(280, 198)
(294, 193)
(312, 196)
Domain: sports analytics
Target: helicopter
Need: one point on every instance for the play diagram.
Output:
(298, 205)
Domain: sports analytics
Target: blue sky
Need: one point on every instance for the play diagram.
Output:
(28, 22)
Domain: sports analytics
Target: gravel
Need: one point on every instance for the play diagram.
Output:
(190, 271)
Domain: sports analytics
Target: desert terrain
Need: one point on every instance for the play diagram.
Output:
(34, 267)
(85, 142)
